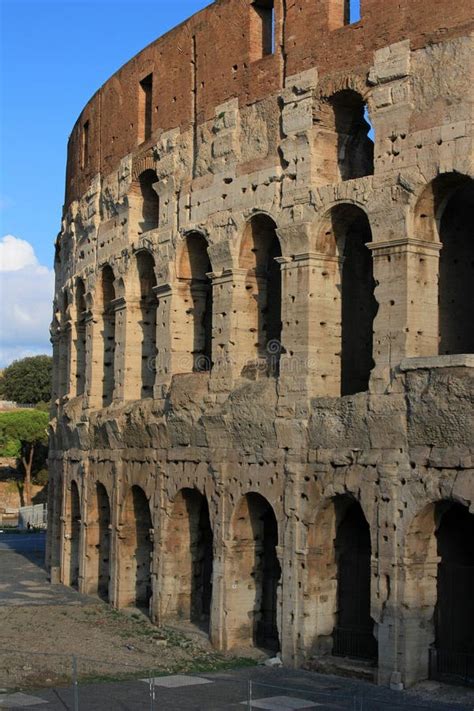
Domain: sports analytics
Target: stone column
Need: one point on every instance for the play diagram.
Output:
(230, 341)
(291, 625)
(120, 352)
(129, 359)
(114, 564)
(164, 357)
(311, 337)
(406, 325)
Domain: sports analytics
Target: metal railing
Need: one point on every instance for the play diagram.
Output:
(357, 644)
(451, 666)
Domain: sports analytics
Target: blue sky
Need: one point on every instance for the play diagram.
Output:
(54, 55)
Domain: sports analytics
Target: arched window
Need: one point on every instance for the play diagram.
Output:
(108, 334)
(80, 335)
(456, 272)
(149, 203)
(345, 234)
(148, 304)
(345, 140)
(259, 252)
(355, 150)
(443, 216)
(195, 290)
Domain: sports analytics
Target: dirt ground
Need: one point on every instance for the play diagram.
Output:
(106, 644)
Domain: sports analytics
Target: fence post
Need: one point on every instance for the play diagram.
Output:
(151, 685)
(75, 687)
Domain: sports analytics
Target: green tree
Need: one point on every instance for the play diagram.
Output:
(30, 429)
(28, 381)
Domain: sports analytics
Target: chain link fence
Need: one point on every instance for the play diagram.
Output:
(79, 683)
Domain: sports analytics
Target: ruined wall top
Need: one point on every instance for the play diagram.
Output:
(213, 57)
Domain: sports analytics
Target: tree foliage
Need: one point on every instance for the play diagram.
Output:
(29, 429)
(28, 381)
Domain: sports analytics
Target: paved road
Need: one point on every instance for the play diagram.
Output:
(272, 689)
(23, 578)
(23, 581)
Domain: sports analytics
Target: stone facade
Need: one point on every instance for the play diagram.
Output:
(263, 333)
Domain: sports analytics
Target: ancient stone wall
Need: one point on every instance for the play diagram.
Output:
(262, 341)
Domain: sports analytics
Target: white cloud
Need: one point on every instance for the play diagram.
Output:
(26, 294)
(16, 254)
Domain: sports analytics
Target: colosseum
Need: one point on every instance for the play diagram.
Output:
(264, 340)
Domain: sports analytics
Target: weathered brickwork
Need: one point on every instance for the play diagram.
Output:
(263, 335)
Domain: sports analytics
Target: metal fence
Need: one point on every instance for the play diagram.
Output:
(78, 683)
(451, 666)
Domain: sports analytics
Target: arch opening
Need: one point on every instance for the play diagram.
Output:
(351, 309)
(108, 334)
(136, 551)
(73, 528)
(98, 544)
(338, 580)
(353, 634)
(439, 594)
(259, 255)
(254, 576)
(188, 560)
(149, 211)
(148, 308)
(355, 149)
(195, 290)
(80, 333)
(456, 272)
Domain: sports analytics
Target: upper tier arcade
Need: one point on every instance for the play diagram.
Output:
(222, 53)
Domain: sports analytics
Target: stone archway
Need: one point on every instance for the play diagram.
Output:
(195, 294)
(98, 543)
(344, 234)
(456, 272)
(259, 253)
(135, 551)
(338, 581)
(73, 536)
(188, 560)
(438, 602)
(253, 576)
